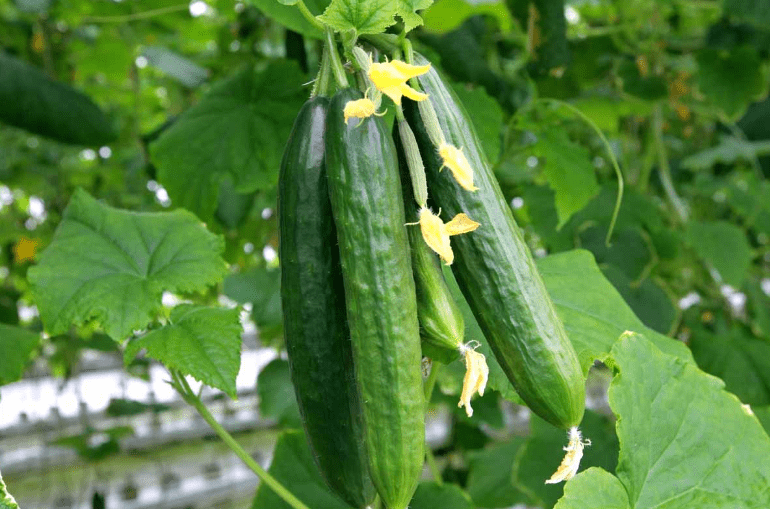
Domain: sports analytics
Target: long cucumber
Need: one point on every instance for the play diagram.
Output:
(315, 323)
(368, 211)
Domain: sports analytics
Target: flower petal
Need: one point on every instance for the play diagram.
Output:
(476, 376)
(360, 108)
(571, 462)
(412, 93)
(434, 234)
(461, 223)
(409, 70)
(458, 164)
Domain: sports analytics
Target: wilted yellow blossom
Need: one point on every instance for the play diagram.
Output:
(455, 160)
(571, 462)
(391, 77)
(360, 108)
(436, 234)
(476, 375)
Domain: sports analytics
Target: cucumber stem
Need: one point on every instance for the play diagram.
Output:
(309, 15)
(183, 388)
(334, 60)
(321, 86)
(664, 170)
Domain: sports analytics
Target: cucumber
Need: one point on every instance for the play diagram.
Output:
(368, 211)
(315, 325)
(442, 325)
(496, 272)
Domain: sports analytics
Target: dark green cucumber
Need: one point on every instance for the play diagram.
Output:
(315, 325)
(496, 271)
(441, 322)
(368, 211)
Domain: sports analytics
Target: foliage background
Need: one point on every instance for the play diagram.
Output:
(154, 106)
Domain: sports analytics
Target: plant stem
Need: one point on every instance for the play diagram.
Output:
(434, 470)
(309, 16)
(664, 169)
(334, 60)
(321, 86)
(383, 42)
(181, 385)
(137, 16)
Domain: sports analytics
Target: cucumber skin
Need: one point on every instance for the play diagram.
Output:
(496, 272)
(368, 211)
(316, 331)
(441, 322)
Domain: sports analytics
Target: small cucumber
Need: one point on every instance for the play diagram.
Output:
(315, 325)
(368, 211)
(442, 325)
(496, 271)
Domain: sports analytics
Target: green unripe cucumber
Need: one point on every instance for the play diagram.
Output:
(442, 325)
(368, 211)
(315, 323)
(496, 272)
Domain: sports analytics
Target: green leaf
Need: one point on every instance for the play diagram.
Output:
(361, 16)
(539, 458)
(731, 80)
(238, 129)
(185, 71)
(677, 423)
(112, 266)
(724, 247)
(294, 468)
(276, 394)
(728, 151)
(16, 346)
(489, 475)
(568, 169)
(487, 117)
(32, 101)
(447, 15)
(593, 312)
(592, 489)
(6, 499)
(288, 15)
(430, 495)
(199, 341)
(741, 360)
(407, 11)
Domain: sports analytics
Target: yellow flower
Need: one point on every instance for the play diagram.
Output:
(455, 160)
(360, 108)
(571, 462)
(436, 234)
(391, 77)
(476, 375)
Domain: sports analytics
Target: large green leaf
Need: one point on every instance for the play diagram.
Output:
(593, 312)
(294, 468)
(430, 495)
(360, 16)
(684, 441)
(731, 80)
(6, 499)
(649, 301)
(238, 128)
(199, 341)
(16, 347)
(287, 14)
(112, 266)
(729, 150)
(185, 71)
(261, 288)
(750, 11)
(724, 247)
(31, 100)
